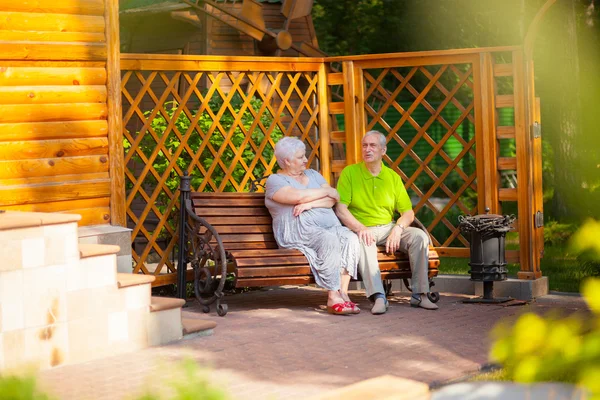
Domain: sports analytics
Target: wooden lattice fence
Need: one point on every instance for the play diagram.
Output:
(455, 123)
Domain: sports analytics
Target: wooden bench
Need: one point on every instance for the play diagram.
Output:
(233, 233)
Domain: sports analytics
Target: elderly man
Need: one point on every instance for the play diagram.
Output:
(370, 193)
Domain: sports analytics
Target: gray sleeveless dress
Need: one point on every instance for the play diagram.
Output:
(317, 233)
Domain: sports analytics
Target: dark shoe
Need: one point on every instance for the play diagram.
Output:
(380, 307)
(421, 300)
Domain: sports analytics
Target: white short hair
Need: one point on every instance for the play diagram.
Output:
(382, 138)
(286, 148)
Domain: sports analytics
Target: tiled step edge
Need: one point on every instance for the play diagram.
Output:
(197, 327)
(93, 250)
(165, 303)
(126, 280)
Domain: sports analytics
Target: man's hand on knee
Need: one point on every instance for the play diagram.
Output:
(366, 236)
(392, 244)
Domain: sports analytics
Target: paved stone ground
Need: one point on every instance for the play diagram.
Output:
(280, 344)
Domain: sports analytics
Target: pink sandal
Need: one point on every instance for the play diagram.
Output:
(340, 309)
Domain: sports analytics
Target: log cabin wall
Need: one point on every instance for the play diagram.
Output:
(59, 117)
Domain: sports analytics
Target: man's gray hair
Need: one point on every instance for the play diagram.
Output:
(286, 148)
(382, 138)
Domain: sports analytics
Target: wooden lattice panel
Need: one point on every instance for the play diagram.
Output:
(220, 126)
(427, 115)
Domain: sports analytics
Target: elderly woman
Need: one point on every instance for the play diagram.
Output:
(300, 202)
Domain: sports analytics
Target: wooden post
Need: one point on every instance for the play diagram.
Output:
(324, 129)
(115, 120)
(524, 186)
(485, 131)
(350, 122)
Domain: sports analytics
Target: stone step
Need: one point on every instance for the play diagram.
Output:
(94, 250)
(165, 303)
(193, 327)
(126, 280)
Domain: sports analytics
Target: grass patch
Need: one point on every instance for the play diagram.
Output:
(564, 271)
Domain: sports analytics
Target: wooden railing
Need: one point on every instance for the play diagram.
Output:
(454, 120)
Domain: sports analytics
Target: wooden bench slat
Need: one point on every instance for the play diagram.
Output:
(226, 195)
(247, 237)
(231, 202)
(238, 211)
(265, 253)
(269, 261)
(243, 229)
(273, 271)
(280, 281)
(217, 221)
(251, 246)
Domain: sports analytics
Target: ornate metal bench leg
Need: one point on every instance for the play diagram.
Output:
(407, 284)
(433, 296)
(387, 287)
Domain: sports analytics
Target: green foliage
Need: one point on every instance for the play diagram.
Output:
(191, 383)
(557, 234)
(13, 387)
(543, 349)
(563, 349)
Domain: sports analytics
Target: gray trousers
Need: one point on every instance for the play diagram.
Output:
(413, 241)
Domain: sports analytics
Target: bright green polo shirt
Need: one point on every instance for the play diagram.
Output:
(372, 199)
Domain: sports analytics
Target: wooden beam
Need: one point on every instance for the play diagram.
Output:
(351, 127)
(52, 51)
(324, 138)
(36, 21)
(52, 112)
(116, 153)
(53, 130)
(80, 7)
(52, 94)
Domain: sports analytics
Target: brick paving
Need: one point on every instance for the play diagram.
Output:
(281, 344)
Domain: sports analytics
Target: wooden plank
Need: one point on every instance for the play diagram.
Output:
(338, 136)
(251, 246)
(485, 133)
(22, 182)
(216, 221)
(52, 94)
(335, 78)
(92, 216)
(52, 112)
(230, 212)
(53, 148)
(505, 101)
(507, 163)
(323, 132)
(452, 252)
(55, 192)
(226, 195)
(52, 51)
(34, 36)
(247, 237)
(53, 130)
(505, 132)
(336, 107)
(55, 64)
(522, 139)
(349, 110)
(417, 54)
(237, 254)
(53, 166)
(35, 21)
(512, 256)
(270, 261)
(115, 115)
(272, 272)
(279, 281)
(338, 165)
(225, 63)
(228, 202)
(507, 194)
(51, 76)
(503, 70)
(61, 206)
(82, 7)
(244, 229)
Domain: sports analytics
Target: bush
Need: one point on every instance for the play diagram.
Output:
(556, 233)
